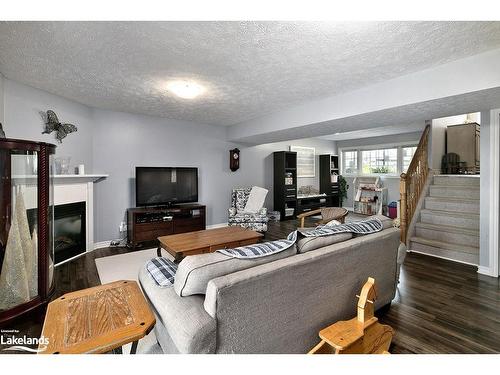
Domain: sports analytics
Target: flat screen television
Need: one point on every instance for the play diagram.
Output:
(164, 186)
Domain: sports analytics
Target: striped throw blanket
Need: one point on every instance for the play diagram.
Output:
(260, 249)
(359, 227)
(273, 247)
(162, 271)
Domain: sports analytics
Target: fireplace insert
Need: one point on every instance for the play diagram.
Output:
(69, 230)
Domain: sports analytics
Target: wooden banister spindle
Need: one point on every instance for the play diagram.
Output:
(412, 183)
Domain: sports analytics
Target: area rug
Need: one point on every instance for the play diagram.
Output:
(123, 266)
(126, 267)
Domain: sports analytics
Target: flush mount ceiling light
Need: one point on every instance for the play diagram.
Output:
(185, 89)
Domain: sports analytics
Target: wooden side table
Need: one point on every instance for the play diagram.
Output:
(97, 320)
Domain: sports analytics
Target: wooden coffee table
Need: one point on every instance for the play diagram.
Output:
(97, 320)
(207, 241)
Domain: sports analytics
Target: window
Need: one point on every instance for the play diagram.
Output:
(305, 161)
(383, 161)
(350, 159)
(407, 156)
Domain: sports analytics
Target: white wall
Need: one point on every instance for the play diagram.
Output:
(115, 143)
(123, 141)
(22, 120)
(438, 135)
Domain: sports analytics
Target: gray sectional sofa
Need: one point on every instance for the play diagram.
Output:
(275, 304)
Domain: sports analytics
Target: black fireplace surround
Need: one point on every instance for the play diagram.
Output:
(69, 230)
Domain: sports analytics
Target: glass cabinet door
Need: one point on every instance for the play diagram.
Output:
(18, 227)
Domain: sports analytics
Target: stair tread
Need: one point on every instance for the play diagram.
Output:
(465, 187)
(446, 245)
(453, 199)
(448, 228)
(450, 213)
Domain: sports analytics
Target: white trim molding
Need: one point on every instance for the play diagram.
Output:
(494, 196)
(78, 188)
(220, 225)
(441, 257)
(102, 244)
(495, 190)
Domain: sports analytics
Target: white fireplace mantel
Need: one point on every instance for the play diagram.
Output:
(77, 178)
(68, 188)
(78, 188)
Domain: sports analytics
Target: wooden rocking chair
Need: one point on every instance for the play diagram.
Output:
(360, 335)
(327, 214)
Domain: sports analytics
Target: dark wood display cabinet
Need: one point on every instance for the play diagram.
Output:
(26, 228)
(329, 174)
(285, 183)
(147, 224)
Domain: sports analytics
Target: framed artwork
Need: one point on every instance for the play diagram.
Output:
(305, 161)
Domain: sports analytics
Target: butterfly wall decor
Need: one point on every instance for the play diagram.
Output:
(52, 124)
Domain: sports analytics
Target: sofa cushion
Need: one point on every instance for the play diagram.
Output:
(183, 324)
(306, 244)
(196, 271)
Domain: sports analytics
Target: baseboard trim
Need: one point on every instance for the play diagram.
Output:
(100, 245)
(220, 225)
(445, 258)
(73, 258)
(487, 271)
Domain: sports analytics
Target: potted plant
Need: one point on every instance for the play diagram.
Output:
(342, 189)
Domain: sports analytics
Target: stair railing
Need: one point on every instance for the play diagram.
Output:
(412, 183)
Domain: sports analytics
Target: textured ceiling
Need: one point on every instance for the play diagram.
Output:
(249, 68)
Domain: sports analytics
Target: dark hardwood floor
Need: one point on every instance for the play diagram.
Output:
(440, 306)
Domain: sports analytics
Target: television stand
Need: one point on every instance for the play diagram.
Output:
(146, 224)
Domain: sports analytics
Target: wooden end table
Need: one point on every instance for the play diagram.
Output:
(98, 320)
(207, 241)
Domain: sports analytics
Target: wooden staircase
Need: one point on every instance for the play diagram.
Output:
(413, 182)
(448, 226)
(440, 213)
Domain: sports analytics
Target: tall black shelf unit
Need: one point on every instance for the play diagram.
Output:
(285, 183)
(328, 167)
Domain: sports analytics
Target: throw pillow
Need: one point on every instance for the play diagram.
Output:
(306, 244)
(333, 223)
(255, 200)
(196, 271)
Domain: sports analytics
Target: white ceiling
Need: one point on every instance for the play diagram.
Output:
(378, 131)
(249, 68)
(397, 118)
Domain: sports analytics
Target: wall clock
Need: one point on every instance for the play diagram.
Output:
(234, 159)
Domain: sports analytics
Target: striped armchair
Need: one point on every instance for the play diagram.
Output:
(237, 216)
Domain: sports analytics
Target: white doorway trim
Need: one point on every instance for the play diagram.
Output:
(494, 196)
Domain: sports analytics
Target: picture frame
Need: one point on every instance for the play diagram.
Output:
(306, 161)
